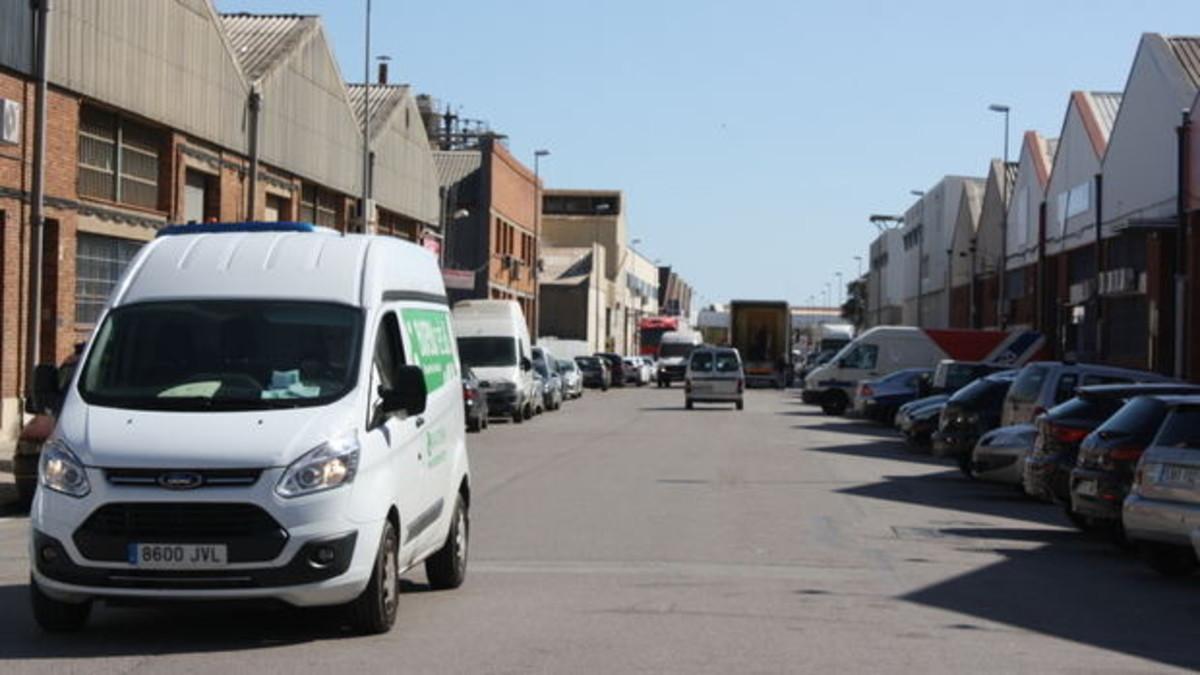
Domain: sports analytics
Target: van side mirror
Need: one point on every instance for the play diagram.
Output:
(526, 364)
(47, 397)
(408, 394)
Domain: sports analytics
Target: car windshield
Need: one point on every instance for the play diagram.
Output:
(1181, 429)
(859, 356)
(1086, 409)
(1028, 384)
(223, 355)
(727, 362)
(675, 349)
(980, 392)
(484, 352)
(564, 366)
(702, 361)
(588, 362)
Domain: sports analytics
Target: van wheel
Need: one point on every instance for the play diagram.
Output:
(56, 616)
(529, 411)
(374, 611)
(474, 425)
(688, 404)
(1170, 561)
(740, 404)
(518, 415)
(447, 568)
(834, 403)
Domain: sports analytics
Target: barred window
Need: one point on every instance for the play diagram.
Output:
(110, 145)
(317, 206)
(99, 263)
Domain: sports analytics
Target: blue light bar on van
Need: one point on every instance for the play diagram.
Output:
(220, 228)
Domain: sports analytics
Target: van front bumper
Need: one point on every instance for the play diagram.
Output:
(74, 556)
(1160, 521)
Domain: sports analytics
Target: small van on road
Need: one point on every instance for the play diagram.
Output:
(265, 411)
(714, 375)
(493, 340)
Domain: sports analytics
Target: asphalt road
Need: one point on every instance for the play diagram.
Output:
(626, 535)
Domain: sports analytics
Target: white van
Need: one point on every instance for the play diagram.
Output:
(493, 340)
(673, 351)
(886, 349)
(265, 411)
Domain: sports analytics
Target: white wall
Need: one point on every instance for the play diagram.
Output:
(1071, 191)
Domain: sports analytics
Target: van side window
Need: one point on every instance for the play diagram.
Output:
(862, 357)
(389, 353)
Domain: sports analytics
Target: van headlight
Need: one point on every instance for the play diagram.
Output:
(60, 470)
(329, 465)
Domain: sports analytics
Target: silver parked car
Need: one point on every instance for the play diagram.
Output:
(1042, 385)
(1163, 507)
(572, 378)
(714, 375)
(999, 455)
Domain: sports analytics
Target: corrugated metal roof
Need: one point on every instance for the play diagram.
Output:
(384, 99)
(1187, 50)
(1106, 104)
(262, 41)
(1011, 174)
(455, 165)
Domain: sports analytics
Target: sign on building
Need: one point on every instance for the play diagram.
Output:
(10, 123)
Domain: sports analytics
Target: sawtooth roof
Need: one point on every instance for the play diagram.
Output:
(261, 42)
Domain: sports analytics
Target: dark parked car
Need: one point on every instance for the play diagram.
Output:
(970, 413)
(1108, 457)
(879, 399)
(595, 372)
(1062, 429)
(618, 373)
(920, 419)
(474, 403)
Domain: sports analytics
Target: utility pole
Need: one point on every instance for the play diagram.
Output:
(366, 156)
(1181, 247)
(537, 238)
(1001, 314)
(37, 206)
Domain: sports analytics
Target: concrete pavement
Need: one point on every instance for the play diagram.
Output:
(627, 535)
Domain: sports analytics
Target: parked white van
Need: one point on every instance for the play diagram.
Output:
(265, 411)
(886, 349)
(493, 340)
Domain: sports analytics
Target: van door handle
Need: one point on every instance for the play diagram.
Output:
(420, 422)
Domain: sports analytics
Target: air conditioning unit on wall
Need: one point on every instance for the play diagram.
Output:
(10, 122)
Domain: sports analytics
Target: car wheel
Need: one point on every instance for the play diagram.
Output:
(56, 616)
(1168, 560)
(518, 415)
(834, 403)
(26, 487)
(474, 425)
(374, 611)
(740, 404)
(1081, 522)
(964, 465)
(529, 411)
(688, 404)
(447, 568)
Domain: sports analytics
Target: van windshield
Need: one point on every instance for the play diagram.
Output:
(223, 355)
(672, 349)
(487, 352)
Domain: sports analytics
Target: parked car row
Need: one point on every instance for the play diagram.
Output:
(1118, 450)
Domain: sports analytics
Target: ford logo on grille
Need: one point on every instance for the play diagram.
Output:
(181, 480)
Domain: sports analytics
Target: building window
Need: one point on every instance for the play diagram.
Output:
(199, 197)
(318, 206)
(99, 263)
(277, 209)
(118, 159)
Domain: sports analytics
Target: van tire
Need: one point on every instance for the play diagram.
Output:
(56, 616)
(475, 425)
(518, 415)
(1169, 560)
(834, 402)
(740, 405)
(688, 404)
(373, 612)
(447, 568)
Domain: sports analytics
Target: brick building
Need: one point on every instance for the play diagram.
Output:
(142, 131)
(493, 231)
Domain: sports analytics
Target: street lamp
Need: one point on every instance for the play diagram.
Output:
(920, 233)
(366, 153)
(858, 259)
(537, 238)
(839, 287)
(1001, 315)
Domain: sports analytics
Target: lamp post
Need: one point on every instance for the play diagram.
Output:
(920, 233)
(1001, 314)
(366, 150)
(839, 287)
(537, 239)
(858, 259)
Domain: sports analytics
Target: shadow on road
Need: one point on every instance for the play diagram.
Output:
(1072, 586)
(857, 428)
(1079, 593)
(887, 449)
(700, 408)
(192, 628)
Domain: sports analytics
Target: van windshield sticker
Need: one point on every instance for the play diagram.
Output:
(429, 334)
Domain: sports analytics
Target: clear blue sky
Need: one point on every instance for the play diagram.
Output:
(752, 138)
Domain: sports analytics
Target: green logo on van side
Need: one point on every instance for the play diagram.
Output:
(429, 333)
